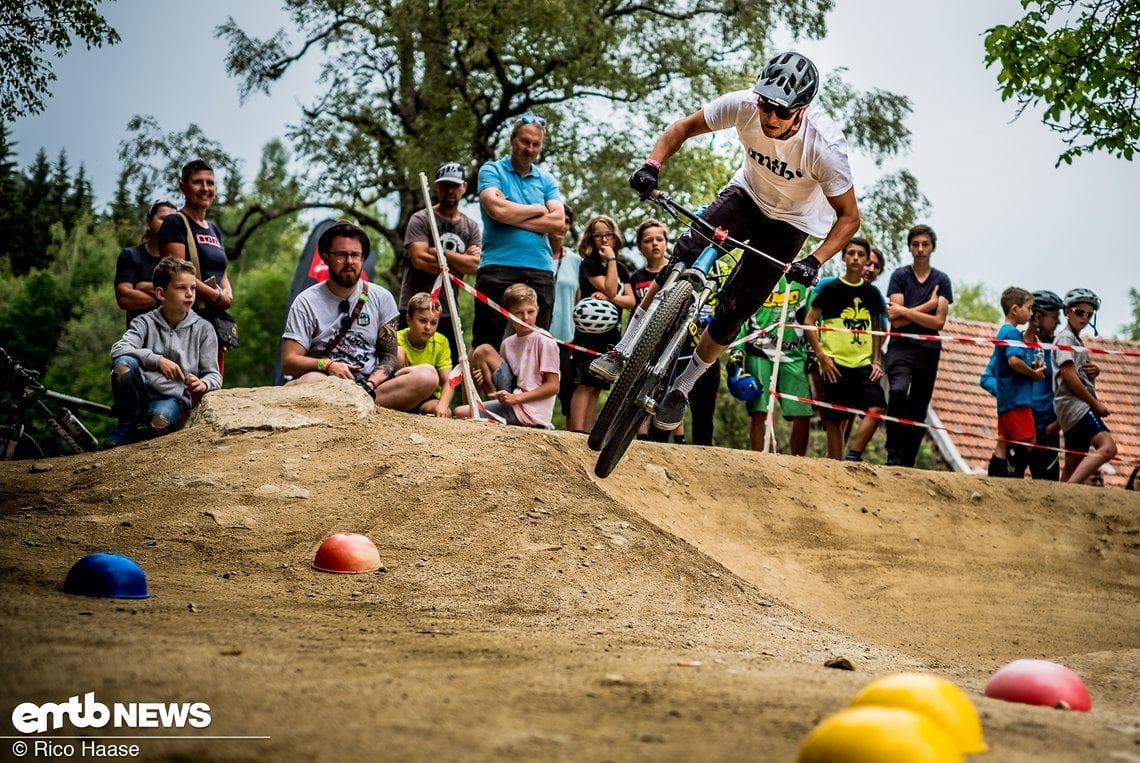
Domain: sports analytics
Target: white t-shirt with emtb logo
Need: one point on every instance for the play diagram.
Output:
(789, 179)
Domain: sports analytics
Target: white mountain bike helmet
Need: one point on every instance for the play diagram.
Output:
(1077, 296)
(595, 316)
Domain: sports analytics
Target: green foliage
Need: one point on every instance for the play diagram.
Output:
(82, 361)
(1080, 59)
(408, 84)
(29, 31)
(38, 305)
(889, 207)
(259, 308)
(974, 302)
(1132, 330)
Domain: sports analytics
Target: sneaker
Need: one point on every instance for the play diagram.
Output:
(609, 365)
(123, 434)
(671, 412)
(853, 456)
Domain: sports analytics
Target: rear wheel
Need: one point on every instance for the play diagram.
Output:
(626, 420)
(17, 446)
(629, 382)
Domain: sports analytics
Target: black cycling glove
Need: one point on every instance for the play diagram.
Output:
(804, 271)
(644, 181)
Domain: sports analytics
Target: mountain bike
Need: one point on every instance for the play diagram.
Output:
(23, 394)
(659, 336)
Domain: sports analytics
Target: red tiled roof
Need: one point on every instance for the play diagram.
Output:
(963, 406)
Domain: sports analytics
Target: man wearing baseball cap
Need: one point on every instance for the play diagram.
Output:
(461, 239)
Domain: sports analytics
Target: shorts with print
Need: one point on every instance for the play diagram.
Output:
(1017, 425)
(854, 389)
(1080, 436)
(791, 381)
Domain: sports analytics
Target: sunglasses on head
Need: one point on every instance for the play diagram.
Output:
(781, 112)
(1082, 313)
(531, 119)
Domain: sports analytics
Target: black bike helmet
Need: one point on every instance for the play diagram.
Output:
(1087, 296)
(1044, 301)
(789, 79)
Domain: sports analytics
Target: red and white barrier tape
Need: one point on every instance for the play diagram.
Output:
(503, 311)
(924, 425)
(970, 340)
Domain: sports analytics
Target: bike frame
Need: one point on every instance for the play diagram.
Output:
(30, 399)
(662, 330)
(698, 275)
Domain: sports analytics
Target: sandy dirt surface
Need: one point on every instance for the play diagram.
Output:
(681, 610)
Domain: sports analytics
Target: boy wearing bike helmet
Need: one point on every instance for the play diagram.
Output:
(794, 181)
(1079, 413)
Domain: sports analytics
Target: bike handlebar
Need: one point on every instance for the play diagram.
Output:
(718, 236)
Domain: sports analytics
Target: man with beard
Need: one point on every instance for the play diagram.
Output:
(346, 327)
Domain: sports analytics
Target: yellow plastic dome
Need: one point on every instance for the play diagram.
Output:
(932, 696)
(874, 734)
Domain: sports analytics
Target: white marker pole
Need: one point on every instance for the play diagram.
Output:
(769, 433)
(464, 364)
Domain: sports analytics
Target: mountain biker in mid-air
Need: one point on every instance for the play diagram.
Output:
(795, 181)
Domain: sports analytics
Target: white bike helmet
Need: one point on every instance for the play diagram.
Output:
(1077, 296)
(595, 316)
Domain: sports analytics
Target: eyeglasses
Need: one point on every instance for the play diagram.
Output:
(781, 112)
(342, 256)
(531, 119)
(1082, 313)
(602, 236)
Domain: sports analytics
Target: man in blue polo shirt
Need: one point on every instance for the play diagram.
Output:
(521, 205)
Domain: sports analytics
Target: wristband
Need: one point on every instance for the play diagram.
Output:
(654, 164)
(218, 299)
(323, 364)
(610, 259)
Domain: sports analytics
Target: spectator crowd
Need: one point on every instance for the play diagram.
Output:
(568, 300)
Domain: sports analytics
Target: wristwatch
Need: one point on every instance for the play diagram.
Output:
(610, 259)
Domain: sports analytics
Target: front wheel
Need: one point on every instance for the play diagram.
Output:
(16, 445)
(646, 351)
(627, 418)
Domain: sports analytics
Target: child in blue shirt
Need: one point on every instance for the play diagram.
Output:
(1016, 371)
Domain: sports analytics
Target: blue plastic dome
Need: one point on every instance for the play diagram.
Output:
(110, 576)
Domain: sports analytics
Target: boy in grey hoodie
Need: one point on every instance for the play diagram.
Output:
(167, 355)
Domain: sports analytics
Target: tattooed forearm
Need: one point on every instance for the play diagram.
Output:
(386, 346)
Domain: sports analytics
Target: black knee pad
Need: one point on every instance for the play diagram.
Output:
(732, 310)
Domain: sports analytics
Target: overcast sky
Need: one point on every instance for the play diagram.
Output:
(1004, 216)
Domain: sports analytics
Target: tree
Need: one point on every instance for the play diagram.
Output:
(30, 30)
(408, 84)
(1132, 330)
(974, 302)
(1080, 59)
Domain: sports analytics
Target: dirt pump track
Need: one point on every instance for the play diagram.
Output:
(681, 610)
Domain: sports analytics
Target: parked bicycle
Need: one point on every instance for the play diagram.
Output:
(658, 338)
(23, 395)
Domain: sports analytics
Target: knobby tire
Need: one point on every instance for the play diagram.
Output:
(643, 353)
(618, 431)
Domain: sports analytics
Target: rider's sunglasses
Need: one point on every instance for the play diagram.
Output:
(781, 112)
(531, 119)
(1082, 313)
